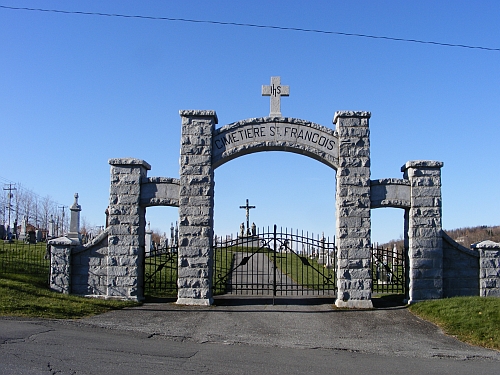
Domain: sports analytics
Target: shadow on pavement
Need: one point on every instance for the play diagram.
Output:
(379, 302)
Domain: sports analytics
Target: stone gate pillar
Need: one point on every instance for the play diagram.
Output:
(196, 205)
(425, 244)
(353, 210)
(126, 229)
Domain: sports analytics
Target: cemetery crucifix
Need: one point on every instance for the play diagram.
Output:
(248, 208)
(275, 91)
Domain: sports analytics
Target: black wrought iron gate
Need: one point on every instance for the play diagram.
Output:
(160, 271)
(389, 270)
(275, 264)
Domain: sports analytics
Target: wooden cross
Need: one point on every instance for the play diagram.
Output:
(275, 91)
(248, 208)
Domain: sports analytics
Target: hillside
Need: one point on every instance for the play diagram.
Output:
(464, 236)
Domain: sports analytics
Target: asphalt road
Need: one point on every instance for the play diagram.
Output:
(239, 337)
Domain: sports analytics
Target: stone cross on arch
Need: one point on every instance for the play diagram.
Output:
(276, 90)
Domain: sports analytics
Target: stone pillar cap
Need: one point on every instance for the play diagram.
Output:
(364, 114)
(486, 245)
(129, 161)
(199, 113)
(422, 164)
(63, 241)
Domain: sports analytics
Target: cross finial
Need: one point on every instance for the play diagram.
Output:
(275, 91)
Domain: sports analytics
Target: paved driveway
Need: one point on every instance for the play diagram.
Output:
(247, 336)
(294, 323)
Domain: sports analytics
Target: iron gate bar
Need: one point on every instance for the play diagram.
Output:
(160, 272)
(170, 258)
(274, 264)
(243, 262)
(305, 262)
(389, 270)
(292, 273)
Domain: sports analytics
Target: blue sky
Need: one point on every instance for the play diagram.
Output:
(77, 90)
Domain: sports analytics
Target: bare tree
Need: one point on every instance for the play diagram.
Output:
(47, 209)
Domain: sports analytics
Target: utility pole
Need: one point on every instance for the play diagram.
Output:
(10, 195)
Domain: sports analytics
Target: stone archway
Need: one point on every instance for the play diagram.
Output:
(203, 148)
(116, 256)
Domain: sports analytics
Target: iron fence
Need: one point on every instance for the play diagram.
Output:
(25, 258)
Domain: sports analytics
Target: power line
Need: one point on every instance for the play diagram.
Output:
(20, 187)
(255, 26)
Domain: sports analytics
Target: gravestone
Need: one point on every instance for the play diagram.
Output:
(323, 256)
(149, 240)
(38, 235)
(30, 237)
(52, 228)
(15, 233)
(74, 226)
(23, 235)
(8, 234)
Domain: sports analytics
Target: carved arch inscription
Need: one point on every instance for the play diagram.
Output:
(275, 134)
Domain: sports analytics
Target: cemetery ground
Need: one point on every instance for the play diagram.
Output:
(473, 320)
(46, 332)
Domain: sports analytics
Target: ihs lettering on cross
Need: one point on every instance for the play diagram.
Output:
(248, 208)
(276, 90)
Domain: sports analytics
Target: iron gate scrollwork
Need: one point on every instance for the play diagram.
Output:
(274, 263)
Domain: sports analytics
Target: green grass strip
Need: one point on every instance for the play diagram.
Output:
(475, 320)
(22, 298)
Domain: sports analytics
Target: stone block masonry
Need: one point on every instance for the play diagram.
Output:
(196, 205)
(353, 210)
(489, 268)
(127, 223)
(423, 230)
(460, 269)
(60, 264)
(113, 265)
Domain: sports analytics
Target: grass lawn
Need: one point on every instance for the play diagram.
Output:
(475, 320)
(305, 272)
(24, 291)
(24, 295)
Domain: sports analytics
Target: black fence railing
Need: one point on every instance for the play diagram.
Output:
(24, 258)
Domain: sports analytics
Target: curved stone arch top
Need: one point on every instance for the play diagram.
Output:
(275, 134)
